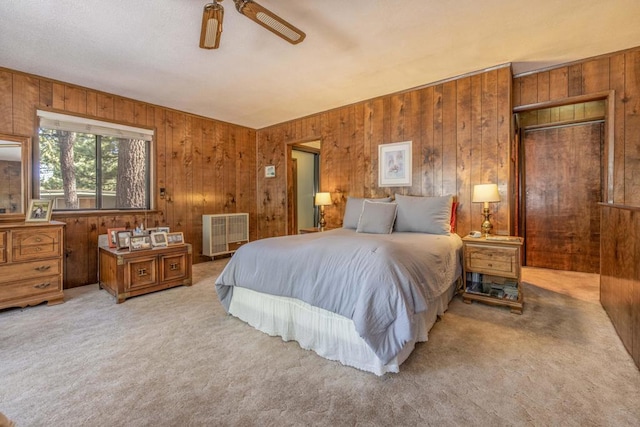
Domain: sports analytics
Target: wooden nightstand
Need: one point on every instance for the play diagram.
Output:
(492, 271)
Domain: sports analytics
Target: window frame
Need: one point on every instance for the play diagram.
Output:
(120, 130)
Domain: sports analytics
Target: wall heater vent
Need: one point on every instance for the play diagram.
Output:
(224, 233)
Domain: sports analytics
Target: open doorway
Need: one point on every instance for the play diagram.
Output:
(304, 179)
(562, 173)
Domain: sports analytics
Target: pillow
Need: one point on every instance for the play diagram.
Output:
(353, 210)
(424, 214)
(377, 217)
(454, 209)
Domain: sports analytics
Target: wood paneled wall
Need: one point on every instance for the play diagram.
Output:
(619, 72)
(461, 133)
(206, 166)
(620, 273)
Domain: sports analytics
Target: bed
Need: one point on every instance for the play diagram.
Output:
(362, 295)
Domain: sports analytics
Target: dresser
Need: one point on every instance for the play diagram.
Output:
(126, 274)
(31, 264)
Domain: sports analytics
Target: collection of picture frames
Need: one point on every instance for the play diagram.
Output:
(159, 237)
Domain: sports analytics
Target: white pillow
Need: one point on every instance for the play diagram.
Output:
(377, 217)
(353, 210)
(424, 214)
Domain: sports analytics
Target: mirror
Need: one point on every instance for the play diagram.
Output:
(14, 176)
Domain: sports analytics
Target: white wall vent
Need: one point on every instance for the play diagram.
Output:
(224, 233)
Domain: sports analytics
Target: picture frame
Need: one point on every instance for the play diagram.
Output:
(159, 239)
(270, 171)
(39, 210)
(122, 239)
(139, 242)
(112, 235)
(151, 230)
(163, 229)
(394, 164)
(176, 238)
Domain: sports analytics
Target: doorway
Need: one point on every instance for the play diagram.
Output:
(304, 174)
(562, 175)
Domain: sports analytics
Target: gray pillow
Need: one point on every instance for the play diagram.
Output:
(424, 214)
(353, 209)
(377, 217)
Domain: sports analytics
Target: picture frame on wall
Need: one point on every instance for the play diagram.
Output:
(139, 242)
(39, 210)
(159, 239)
(176, 238)
(270, 171)
(112, 235)
(394, 164)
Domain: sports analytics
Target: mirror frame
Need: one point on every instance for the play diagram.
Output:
(25, 142)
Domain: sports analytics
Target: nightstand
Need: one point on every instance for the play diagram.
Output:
(492, 271)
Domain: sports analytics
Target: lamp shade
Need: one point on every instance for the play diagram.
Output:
(323, 199)
(485, 193)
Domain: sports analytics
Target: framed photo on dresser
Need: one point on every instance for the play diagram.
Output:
(39, 210)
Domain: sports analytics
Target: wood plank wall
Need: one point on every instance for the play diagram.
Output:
(619, 72)
(461, 133)
(620, 273)
(206, 166)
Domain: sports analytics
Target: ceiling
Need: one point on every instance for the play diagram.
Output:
(354, 50)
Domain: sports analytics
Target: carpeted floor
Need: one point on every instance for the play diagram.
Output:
(173, 358)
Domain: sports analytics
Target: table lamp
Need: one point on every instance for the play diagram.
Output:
(322, 200)
(485, 193)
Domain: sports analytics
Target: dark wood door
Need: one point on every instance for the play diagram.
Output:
(563, 186)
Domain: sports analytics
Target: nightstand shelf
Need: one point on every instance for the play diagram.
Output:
(492, 271)
(313, 230)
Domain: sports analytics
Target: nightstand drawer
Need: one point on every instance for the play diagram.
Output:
(498, 261)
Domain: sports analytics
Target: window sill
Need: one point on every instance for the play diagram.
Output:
(110, 212)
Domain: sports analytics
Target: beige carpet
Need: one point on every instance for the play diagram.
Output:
(173, 358)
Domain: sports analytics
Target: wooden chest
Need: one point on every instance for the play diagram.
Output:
(127, 274)
(31, 264)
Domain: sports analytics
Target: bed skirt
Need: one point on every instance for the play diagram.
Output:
(330, 335)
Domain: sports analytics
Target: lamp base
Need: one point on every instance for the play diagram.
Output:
(486, 224)
(323, 222)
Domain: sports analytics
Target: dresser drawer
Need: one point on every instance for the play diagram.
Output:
(173, 267)
(36, 244)
(32, 269)
(30, 288)
(492, 260)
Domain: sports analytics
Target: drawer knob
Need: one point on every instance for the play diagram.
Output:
(42, 285)
(43, 268)
(173, 266)
(489, 264)
(142, 272)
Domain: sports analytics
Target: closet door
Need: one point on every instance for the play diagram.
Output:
(563, 186)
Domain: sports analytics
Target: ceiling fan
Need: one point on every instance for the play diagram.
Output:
(212, 22)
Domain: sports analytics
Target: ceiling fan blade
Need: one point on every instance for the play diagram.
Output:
(211, 26)
(270, 21)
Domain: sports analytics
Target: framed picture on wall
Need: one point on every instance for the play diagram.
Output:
(39, 210)
(270, 171)
(394, 164)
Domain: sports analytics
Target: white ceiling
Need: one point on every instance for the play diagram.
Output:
(354, 50)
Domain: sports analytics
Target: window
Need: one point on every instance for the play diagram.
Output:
(88, 164)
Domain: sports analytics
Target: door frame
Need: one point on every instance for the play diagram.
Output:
(609, 150)
(291, 176)
(607, 161)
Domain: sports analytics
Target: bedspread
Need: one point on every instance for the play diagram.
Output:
(377, 281)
